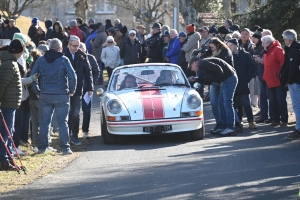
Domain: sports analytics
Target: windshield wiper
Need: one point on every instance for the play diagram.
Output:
(163, 84)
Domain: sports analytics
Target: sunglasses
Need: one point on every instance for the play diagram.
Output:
(132, 35)
(110, 42)
(117, 30)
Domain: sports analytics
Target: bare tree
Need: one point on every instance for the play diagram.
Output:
(14, 8)
(81, 7)
(149, 11)
(189, 12)
(227, 7)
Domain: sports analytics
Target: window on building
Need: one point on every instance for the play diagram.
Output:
(103, 6)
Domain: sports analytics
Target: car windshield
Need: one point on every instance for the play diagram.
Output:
(147, 76)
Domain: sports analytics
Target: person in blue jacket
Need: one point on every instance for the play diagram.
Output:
(174, 47)
(93, 33)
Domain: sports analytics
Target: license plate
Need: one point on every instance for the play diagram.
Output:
(157, 128)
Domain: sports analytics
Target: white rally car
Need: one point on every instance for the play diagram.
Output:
(149, 98)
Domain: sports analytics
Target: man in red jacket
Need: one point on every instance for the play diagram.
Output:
(74, 30)
(273, 61)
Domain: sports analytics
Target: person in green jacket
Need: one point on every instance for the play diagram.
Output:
(10, 93)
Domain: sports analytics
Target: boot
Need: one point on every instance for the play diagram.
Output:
(238, 127)
(252, 125)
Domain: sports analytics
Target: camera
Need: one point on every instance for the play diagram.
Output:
(205, 52)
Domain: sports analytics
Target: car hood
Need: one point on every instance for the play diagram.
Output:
(153, 103)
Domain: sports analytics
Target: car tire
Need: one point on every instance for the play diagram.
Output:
(199, 133)
(108, 138)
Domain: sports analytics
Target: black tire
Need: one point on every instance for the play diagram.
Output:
(107, 137)
(199, 133)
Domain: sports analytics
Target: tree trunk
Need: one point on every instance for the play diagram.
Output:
(188, 11)
(227, 7)
(81, 7)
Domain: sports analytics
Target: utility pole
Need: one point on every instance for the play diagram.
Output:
(176, 14)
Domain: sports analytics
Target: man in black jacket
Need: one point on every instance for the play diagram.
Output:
(131, 49)
(218, 71)
(83, 71)
(245, 67)
(155, 45)
(292, 65)
(11, 30)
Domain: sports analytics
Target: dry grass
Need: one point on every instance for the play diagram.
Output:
(25, 22)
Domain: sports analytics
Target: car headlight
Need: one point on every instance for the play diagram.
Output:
(114, 106)
(193, 101)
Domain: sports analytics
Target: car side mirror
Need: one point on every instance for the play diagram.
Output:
(99, 91)
(196, 85)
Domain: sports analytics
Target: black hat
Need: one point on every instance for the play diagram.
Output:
(166, 33)
(16, 46)
(258, 33)
(223, 30)
(92, 26)
(234, 41)
(235, 27)
(156, 25)
(213, 29)
(193, 59)
(254, 28)
(6, 21)
(124, 30)
(111, 30)
(204, 28)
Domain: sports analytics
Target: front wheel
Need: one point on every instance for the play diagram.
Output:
(199, 133)
(107, 137)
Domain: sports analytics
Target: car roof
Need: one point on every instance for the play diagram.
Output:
(148, 64)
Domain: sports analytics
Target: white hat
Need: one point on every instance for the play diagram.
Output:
(110, 38)
(132, 31)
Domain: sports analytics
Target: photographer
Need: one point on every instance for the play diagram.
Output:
(218, 71)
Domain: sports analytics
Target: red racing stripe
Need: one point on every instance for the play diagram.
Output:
(152, 104)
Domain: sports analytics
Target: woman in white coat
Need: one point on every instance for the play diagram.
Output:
(110, 55)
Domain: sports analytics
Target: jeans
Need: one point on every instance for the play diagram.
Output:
(61, 104)
(9, 116)
(100, 79)
(22, 118)
(264, 104)
(86, 110)
(295, 96)
(278, 104)
(74, 117)
(243, 99)
(227, 111)
(54, 123)
(214, 96)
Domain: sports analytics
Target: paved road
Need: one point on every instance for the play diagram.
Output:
(253, 165)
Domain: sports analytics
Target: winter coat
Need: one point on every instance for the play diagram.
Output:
(257, 51)
(98, 42)
(204, 41)
(38, 37)
(76, 31)
(216, 70)
(10, 81)
(131, 53)
(56, 75)
(48, 24)
(9, 32)
(110, 56)
(273, 61)
(32, 31)
(245, 67)
(94, 66)
(248, 46)
(292, 61)
(155, 45)
(164, 52)
(88, 44)
(83, 70)
(181, 56)
(192, 43)
(173, 51)
(57, 34)
(118, 39)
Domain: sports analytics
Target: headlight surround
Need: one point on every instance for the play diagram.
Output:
(114, 106)
(193, 101)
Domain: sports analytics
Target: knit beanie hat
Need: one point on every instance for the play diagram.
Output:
(254, 28)
(16, 46)
(234, 41)
(92, 26)
(43, 47)
(213, 29)
(123, 30)
(190, 28)
(21, 36)
(235, 27)
(182, 34)
(111, 30)
(223, 30)
(6, 21)
(132, 31)
(258, 33)
(110, 38)
(35, 20)
(73, 23)
(92, 21)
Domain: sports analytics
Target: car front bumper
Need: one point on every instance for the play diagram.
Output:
(136, 127)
